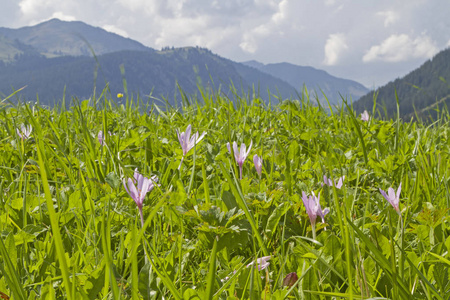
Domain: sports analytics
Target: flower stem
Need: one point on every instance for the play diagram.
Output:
(179, 167)
(142, 216)
(313, 228)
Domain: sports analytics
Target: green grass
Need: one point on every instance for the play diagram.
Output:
(69, 229)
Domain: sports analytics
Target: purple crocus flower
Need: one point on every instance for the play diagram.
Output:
(262, 262)
(241, 155)
(393, 198)
(330, 183)
(258, 164)
(365, 116)
(138, 187)
(187, 142)
(24, 132)
(101, 137)
(313, 209)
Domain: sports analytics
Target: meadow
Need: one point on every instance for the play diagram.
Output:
(104, 201)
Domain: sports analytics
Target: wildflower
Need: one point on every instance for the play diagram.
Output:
(290, 279)
(262, 262)
(119, 95)
(100, 137)
(138, 192)
(241, 155)
(258, 164)
(313, 209)
(24, 132)
(330, 183)
(187, 142)
(393, 198)
(365, 116)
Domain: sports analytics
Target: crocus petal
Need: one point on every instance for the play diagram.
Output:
(365, 116)
(136, 175)
(310, 206)
(186, 141)
(340, 182)
(153, 182)
(132, 191)
(144, 189)
(24, 132)
(258, 163)
(242, 153)
(262, 262)
(187, 133)
(100, 137)
(384, 194)
(398, 191)
(198, 139)
(125, 186)
(191, 143)
(324, 213)
(235, 150)
(249, 148)
(393, 197)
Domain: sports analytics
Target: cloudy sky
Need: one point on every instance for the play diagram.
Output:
(372, 42)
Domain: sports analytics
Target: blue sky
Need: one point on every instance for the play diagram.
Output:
(372, 42)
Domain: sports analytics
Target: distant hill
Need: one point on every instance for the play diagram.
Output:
(57, 38)
(146, 72)
(11, 49)
(317, 82)
(422, 91)
(55, 55)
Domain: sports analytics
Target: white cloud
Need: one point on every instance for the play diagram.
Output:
(62, 16)
(401, 47)
(282, 13)
(334, 48)
(28, 7)
(114, 29)
(390, 17)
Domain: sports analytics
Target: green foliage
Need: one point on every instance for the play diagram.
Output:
(69, 229)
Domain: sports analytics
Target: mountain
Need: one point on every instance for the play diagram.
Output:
(420, 92)
(317, 82)
(57, 38)
(10, 49)
(56, 56)
(146, 72)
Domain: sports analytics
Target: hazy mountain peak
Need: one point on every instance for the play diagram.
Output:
(317, 82)
(56, 38)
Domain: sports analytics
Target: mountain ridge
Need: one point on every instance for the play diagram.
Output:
(57, 46)
(420, 92)
(319, 81)
(58, 38)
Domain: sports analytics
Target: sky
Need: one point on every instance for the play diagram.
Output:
(369, 41)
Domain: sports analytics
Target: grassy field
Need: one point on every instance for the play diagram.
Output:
(75, 184)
